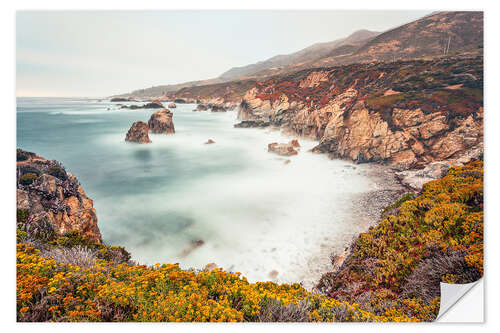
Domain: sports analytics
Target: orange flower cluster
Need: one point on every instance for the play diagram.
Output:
(447, 215)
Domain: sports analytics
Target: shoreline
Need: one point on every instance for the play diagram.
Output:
(367, 208)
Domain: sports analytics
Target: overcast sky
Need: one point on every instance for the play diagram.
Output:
(101, 53)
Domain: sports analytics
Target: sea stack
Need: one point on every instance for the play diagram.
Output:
(138, 133)
(286, 149)
(161, 122)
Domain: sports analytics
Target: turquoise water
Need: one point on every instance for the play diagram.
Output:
(254, 213)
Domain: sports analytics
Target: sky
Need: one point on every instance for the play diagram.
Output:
(102, 53)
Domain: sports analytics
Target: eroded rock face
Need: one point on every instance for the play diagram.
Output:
(172, 105)
(54, 197)
(138, 133)
(161, 122)
(285, 149)
(348, 127)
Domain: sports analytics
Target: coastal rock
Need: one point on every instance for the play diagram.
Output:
(193, 246)
(210, 141)
(201, 107)
(154, 104)
(360, 122)
(118, 99)
(161, 122)
(273, 274)
(210, 266)
(285, 149)
(416, 179)
(218, 108)
(252, 123)
(54, 198)
(172, 105)
(138, 133)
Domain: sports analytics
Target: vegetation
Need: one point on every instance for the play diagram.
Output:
(437, 236)
(450, 86)
(28, 178)
(69, 278)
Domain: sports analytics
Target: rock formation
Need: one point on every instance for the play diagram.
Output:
(161, 122)
(119, 99)
(252, 123)
(348, 110)
(138, 133)
(172, 105)
(53, 198)
(154, 104)
(201, 107)
(285, 149)
(209, 142)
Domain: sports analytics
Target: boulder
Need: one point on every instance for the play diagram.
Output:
(154, 104)
(218, 108)
(119, 99)
(252, 123)
(138, 133)
(416, 179)
(54, 199)
(285, 149)
(201, 107)
(161, 122)
(210, 266)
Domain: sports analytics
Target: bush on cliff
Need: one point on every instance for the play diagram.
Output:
(28, 178)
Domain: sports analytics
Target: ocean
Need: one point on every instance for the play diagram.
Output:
(250, 211)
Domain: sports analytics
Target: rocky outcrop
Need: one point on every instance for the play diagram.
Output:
(53, 197)
(348, 111)
(252, 123)
(201, 107)
(121, 99)
(285, 149)
(161, 122)
(154, 104)
(172, 105)
(415, 179)
(138, 133)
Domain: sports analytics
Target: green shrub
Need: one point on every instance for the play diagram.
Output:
(390, 210)
(28, 178)
(22, 215)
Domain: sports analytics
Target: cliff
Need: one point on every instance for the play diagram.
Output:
(56, 202)
(406, 113)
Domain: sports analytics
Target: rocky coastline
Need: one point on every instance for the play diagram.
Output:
(56, 201)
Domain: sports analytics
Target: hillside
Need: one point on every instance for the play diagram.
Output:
(311, 53)
(436, 35)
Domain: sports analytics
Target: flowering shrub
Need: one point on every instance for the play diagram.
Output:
(443, 225)
(54, 291)
(440, 232)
